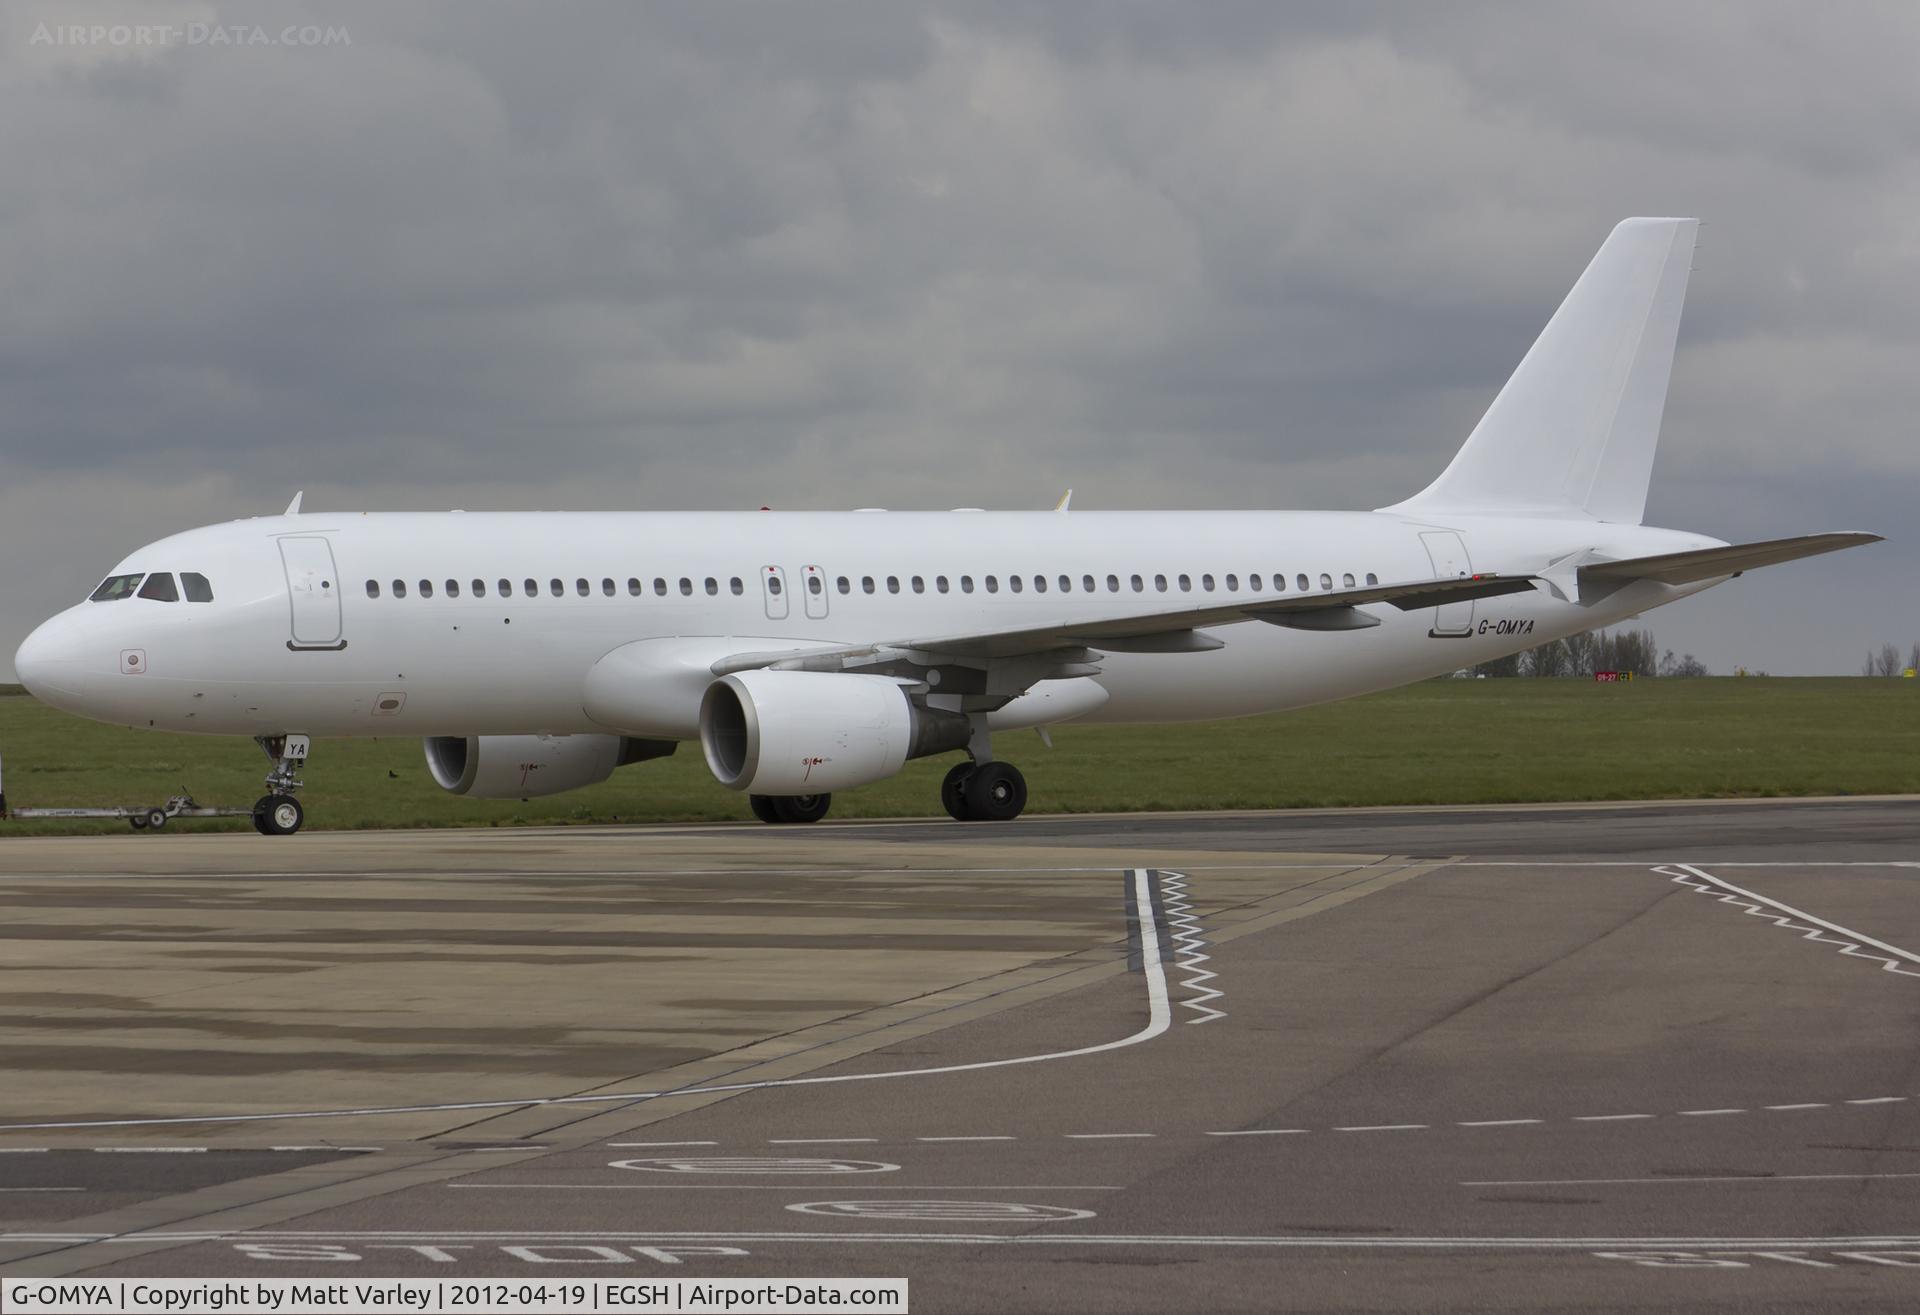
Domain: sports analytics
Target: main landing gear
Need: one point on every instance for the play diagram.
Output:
(790, 807)
(277, 812)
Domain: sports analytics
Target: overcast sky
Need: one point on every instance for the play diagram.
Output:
(811, 255)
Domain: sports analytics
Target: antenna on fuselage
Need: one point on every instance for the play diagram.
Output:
(1066, 501)
(293, 508)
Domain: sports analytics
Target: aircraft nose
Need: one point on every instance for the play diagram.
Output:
(43, 657)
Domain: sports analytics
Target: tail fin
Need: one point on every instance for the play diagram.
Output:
(1573, 433)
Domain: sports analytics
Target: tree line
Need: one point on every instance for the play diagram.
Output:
(1596, 650)
(1887, 661)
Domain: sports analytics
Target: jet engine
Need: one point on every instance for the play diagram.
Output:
(523, 766)
(805, 732)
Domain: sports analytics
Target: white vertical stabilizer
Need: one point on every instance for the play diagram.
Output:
(1573, 433)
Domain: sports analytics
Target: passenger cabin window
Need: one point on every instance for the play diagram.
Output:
(1113, 584)
(966, 584)
(739, 588)
(940, 583)
(866, 584)
(1326, 581)
(1347, 580)
(1013, 583)
(893, 584)
(479, 588)
(606, 586)
(426, 588)
(843, 584)
(1233, 584)
(713, 587)
(399, 588)
(993, 584)
(195, 586)
(506, 587)
(557, 589)
(532, 588)
(1086, 583)
(373, 588)
(1137, 583)
(159, 588)
(1160, 583)
(634, 587)
(1301, 581)
(660, 585)
(686, 586)
(453, 588)
(1253, 581)
(1186, 584)
(1206, 583)
(581, 587)
(919, 585)
(813, 585)
(1372, 579)
(114, 588)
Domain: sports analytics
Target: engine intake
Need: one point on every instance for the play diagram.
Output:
(805, 732)
(527, 766)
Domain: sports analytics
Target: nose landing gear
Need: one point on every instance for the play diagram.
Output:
(278, 813)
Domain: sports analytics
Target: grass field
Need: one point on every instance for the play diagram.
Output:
(1446, 741)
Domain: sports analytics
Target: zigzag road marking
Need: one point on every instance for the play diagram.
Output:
(1184, 929)
(1785, 915)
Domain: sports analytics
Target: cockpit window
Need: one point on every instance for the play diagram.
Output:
(198, 590)
(116, 587)
(159, 588)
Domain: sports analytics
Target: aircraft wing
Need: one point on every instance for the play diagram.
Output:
(1171, 630)
(1711, 563)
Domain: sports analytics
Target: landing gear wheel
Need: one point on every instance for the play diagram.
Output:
(801, 807)
(763, 807)
(155, 819)
(138, 823)
(995, 792)
(953, 792)
(278, 815)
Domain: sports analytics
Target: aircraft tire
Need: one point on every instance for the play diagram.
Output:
(763, 807)
(953, 792)
(802, 807)
(996, 792)
(278, 815)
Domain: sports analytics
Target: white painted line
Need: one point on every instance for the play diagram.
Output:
(1876, 1100)
(1607, 1118)
(798, 1187)
(1701, 1113)
(1105, 1136)
(1380, 1127)
(662, 1143)
(1805, 1105)
(1257, 1132)
(1159, 1019)
(321, 1148)
(42, 1189)
(1497, 1123)
(23, 1150)
(1718, 1178)
(819, 1141)
(149, 1150)
(994, 1138)
(1860, 938)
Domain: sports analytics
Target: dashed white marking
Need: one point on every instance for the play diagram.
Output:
(798, 1187)
(1257, 1132)
(1607, 1118)
(1159, 1019)
(323, 1148)
(1705, 1178)
(1105, 1136)
(1702, 1113)
(149, 1150)
(1804, 1105)
(42, 1189)
(1876, 1100)
(820, 1141)
(995, 1137)
(663, 1143)
(1496, 1123)
(1379, 1127)
(23, 1150)
(1749, 902)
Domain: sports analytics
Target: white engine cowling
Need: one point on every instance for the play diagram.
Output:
(524, 766)
(806, 732)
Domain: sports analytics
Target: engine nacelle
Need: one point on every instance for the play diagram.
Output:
(807, 732)
(525, 766)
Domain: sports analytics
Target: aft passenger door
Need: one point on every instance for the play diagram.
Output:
(773, 586)
(813, 582)
(314, 587)
(1450, 562)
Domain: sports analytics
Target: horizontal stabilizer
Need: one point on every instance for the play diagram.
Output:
(1712, 563)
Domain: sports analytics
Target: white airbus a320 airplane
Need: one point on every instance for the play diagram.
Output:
(813, 652)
